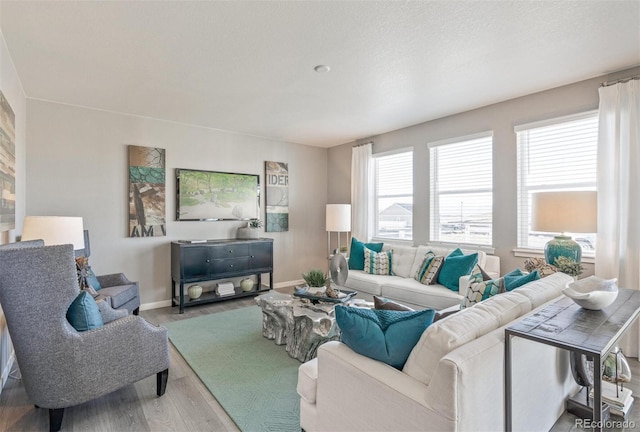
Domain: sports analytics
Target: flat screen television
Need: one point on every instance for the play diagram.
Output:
(214, 195)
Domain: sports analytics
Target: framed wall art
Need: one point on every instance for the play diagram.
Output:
(147, 192)
(277, 196)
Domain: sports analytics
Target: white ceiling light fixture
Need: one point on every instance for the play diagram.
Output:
(322, 68)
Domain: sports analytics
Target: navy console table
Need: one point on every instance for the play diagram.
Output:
(564, 324)
(218, 259)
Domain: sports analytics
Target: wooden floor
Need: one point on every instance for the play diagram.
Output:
(186, 406)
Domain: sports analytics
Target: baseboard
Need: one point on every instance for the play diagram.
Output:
(155, 305)
(288, 283)
(7, 370)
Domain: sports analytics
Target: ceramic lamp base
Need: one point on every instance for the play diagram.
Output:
(562, 246)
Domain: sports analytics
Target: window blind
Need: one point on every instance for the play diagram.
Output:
(557, 155)
(394, 195)
(461, 185)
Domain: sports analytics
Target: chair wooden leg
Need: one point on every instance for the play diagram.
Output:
(136, 311)
(161, 381)
(55, 419)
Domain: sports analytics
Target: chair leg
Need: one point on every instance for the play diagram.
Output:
(136, 311)
(55, 419)
(161, 381)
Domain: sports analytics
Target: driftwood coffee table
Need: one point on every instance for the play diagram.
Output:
(298, 324)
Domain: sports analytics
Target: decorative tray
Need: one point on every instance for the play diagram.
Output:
(314, 298)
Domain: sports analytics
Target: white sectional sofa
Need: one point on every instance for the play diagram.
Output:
(453, 379)
(403, 288)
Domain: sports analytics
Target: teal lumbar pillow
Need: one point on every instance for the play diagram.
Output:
(384, 335)
(84, 313)
(455, 265)
(513, 281)
(356, 254)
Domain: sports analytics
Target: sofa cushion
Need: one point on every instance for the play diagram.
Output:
(307, 380)
(456, 264)
(356, 253)
(446, 335)
(411, 291)
(83, 313)
(403, 257)
(542, 290)
(384, 335)
(378, 263)
(364, 282)
(120, 294)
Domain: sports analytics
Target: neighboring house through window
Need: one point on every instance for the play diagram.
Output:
(394, 194)
(555, 155)
(461, 187)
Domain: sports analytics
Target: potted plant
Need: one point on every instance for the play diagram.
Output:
(251, 231)
(569, 266)
(315, 279)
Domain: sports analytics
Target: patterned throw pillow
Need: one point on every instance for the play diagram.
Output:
(544, 269)
(423, 267)
(479, 291)
(430, 276)
(378, 263)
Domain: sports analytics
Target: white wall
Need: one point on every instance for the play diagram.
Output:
(12, 89)
(77, 165)
(499, 118)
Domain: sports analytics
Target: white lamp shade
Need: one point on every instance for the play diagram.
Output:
(568, 211)
(339, 217)
(54, 230)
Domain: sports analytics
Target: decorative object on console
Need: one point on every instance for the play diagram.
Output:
(277, 196)
(194, 291)
(338, 219)
(544, 269)
(561, 212)
(54, 230)
(338, 269)
(246, 284)
(147, 192)
(251, 231)
(592, 292)
(8, 166)
(616, 368)
(569, 266)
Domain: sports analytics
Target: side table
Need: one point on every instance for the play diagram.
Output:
(564, 324)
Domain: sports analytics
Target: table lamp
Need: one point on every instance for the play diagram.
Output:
(54, 230)
(338, 220)
(564, 212)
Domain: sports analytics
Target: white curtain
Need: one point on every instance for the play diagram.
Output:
(618, 238)
(362, 192)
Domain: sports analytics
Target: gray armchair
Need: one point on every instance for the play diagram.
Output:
(62, 367)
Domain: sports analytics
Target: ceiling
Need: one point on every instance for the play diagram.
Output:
(248, 66)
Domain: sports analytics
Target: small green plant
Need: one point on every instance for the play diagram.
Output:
(255, 223)
(315, 278)
(343, 248)
(568, 266)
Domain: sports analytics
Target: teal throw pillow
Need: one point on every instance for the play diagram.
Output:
(512, 282)
(378, 263)
(92, 280)
(384, 335)
(356, 254)
(84, 313)
(455, 265)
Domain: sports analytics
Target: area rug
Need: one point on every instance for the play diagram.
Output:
(251, 377)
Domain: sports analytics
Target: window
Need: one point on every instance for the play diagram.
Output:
(394, 195)
(555, 155)
(461, 179)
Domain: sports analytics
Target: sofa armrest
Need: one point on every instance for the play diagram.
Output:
(344, 376)
(114, 279)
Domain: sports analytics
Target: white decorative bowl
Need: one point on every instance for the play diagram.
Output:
(593, 292)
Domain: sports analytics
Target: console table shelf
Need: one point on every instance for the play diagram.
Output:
(216, 260)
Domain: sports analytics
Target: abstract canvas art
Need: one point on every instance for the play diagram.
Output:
(146, 192)
(277, 196)
(7, 165)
